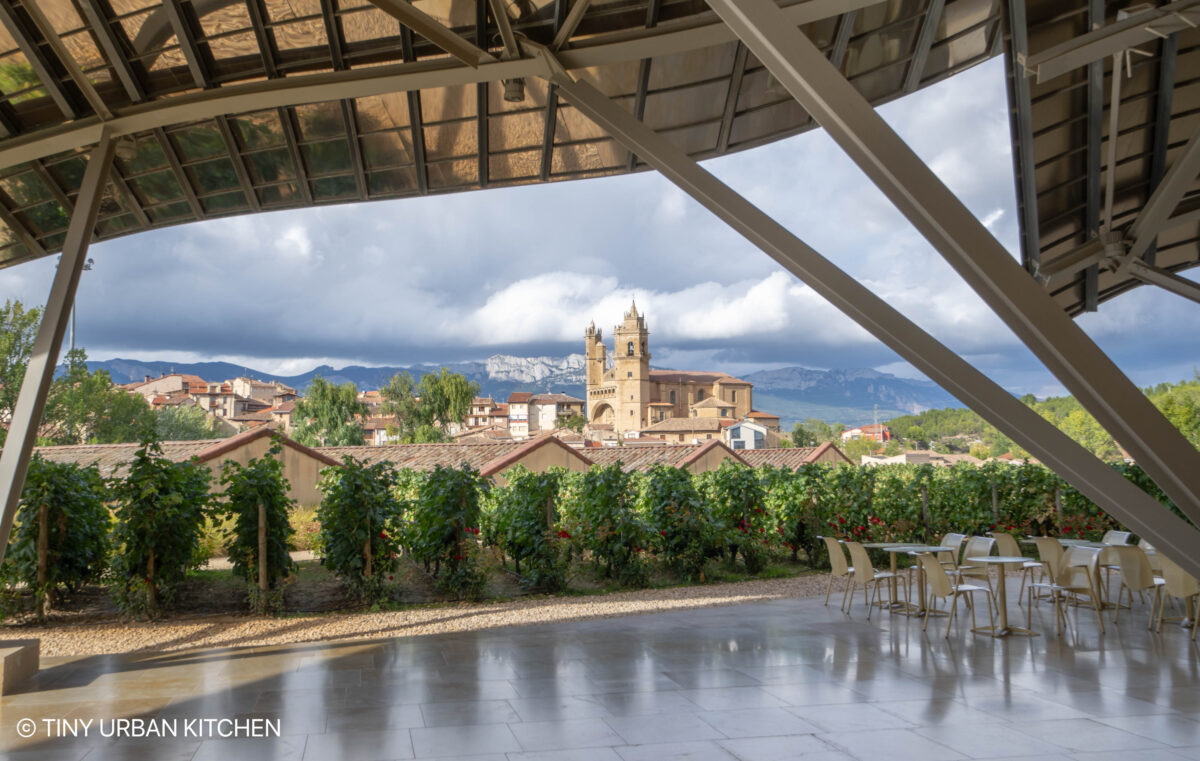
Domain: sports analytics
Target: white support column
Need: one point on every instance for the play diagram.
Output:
(1100, 483)
(966, 244)
(22, 433)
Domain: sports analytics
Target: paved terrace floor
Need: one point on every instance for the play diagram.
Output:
(779, 680)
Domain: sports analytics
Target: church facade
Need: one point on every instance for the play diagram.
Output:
(630, 397)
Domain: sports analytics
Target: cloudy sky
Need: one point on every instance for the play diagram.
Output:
(523, 270)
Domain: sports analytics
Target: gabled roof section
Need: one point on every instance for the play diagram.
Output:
(713, 402)
(707, 447)
(507, 460)
(240, 440)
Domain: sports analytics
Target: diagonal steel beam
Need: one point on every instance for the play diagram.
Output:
(916, 67)
(841, 39)
(127, 197)
(293, 144)
(31, 402)
(1148, 273)
(1099, 385)
(433, 30)
(571, 24)
(1095, 117)
(98, 21)
(481, 102)
(731, 98)
(55, 43)
(500, 14)
(239, 163)
(1165, 198)
(181, 177)
(187, 44)
(266, 46)
(416, 122)
(333, 34)
(1145, 24)
(643, 83)
(38, 61)
(1092, 477)
(27, 238)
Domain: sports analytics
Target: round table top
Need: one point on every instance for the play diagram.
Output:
(883, 545)
(998, 559)
(923, 548)
(1085, 543)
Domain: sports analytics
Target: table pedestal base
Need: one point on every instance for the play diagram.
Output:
(1004, 631)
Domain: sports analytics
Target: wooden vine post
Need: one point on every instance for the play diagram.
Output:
(43, 552)
(262, 547)
(925, 506)
(995, 504)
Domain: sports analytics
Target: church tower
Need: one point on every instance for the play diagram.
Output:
(631, 360)
(594, 360)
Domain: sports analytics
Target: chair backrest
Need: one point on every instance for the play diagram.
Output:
(1179, 582)
(837, 556)
(1050, 552)
(1145, 545)
(1006, 544)
(1135, 567)
(953, 543)
(935, 575)
(1076, 569)
(863, 570)
(1116, 537)
(977, 546)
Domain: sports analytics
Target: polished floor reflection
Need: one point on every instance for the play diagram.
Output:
(778, 680)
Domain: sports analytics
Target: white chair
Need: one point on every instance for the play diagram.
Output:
(837, 565)
(977, 546)
(1006, 544)
(1180, 584)
(865, 574)
(1073, 577)
(941, 587)
(953, 543)
(1136, 575)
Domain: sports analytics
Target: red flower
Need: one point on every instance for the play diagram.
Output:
(564, 535)
(664, 533)
(390, 578)
(383, 535)
(841, 520)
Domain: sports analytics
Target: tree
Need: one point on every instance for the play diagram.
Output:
(423, 411)
(447, 397)
(181, 423)
(85, 408)
(259, 542)
(18, 328)
(571, 422)
(812, 432)
(329, 415)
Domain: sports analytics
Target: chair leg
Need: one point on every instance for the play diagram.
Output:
(925, 623)
(1155, 603)
(1120, 591)
(828, 589)
(850, 592)
(991, 617)
(971, 605)
(950, 618)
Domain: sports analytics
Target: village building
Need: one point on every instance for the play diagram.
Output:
(270, 393)
(545, 410)
(167, 384)
(518, 414)
(874, 432)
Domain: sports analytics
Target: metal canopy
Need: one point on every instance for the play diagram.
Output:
(1061, 103)
(237, 106)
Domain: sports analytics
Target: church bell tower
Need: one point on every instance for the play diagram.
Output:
(631, 360)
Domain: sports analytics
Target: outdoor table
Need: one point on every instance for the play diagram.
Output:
(921, 608)
(1003, 630)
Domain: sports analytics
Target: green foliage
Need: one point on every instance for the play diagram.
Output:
(521, 519)
(737, 498)
(443, 529)
(85, 408)
(18, 328)
(77, 523)
(258, 485)
(160, 508)
(598, 510)
(670, 502)
(360, 526)
(328, 415)
(793, 501)
(571, 422)
(813, 432)
(180, 423)
(423, 411)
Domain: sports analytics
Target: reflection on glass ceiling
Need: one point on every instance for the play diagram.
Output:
(63, 63)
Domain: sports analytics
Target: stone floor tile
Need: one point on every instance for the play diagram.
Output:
(1086, 735)
(849, 718)
(757, 722)
(468, 712)
(728, 698)
(463, 741)
(806, 747)
(989, 740)
(684, 751)
(1166, 729)
(359, 746)
(891, 744)
(641, 730)
(570, 733)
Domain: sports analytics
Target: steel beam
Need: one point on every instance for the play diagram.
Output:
(266, 47)
(181, 177)
(841, 39)
(1092, 477)
(380, 80)
(1165, 198)
(293, 144)
(27, 239)
(27, 415)
(431, 29)
(481, 100)
(500, 14)
(643, 85)
(98, 21)
(1148, 273)
(127, 197)
(1168, 52)
(46, 29)
(1099, 385)
(916, 66)
(239, 163)
(1063, 267)
(731, 97)
(416, 123)
(187, 44)
(571, 24)
(1095, 119)
(1020, 104)
(38, 61)
(333, 35)
(1145, 24)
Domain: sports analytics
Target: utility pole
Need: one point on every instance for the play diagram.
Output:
(87, 267)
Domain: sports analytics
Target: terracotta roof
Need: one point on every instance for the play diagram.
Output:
(641, 458)
(508, 459)
(284, 408)
(692, 376)
(482, 400)
(519, 397)
(686, 425)
(426, 456)
(114, 459)
(762, 415)
(711, 402)
(554, 398)
(233, 442)
(378, 423)
(707, 447)
(789, 457)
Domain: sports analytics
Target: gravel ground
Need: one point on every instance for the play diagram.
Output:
(244, 631)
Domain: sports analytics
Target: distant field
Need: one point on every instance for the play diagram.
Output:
(791, 411)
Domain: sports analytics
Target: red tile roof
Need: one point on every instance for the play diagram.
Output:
(519, 397)
(507, 460)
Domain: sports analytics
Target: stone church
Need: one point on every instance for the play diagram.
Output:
(629, 396)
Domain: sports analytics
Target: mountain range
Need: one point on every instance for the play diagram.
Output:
(852, 396)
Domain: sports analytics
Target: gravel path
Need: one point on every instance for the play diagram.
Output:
(243, 631)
